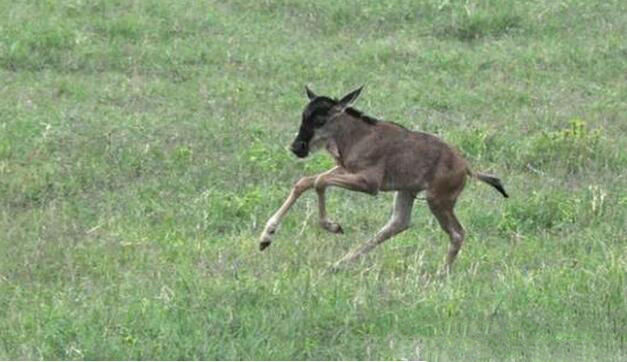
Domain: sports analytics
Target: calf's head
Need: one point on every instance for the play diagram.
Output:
(319, 121)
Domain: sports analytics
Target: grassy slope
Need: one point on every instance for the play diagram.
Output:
(142, 149)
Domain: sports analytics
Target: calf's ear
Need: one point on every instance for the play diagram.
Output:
(351, 97)
(310, 94)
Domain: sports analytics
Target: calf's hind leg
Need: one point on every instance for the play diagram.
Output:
(442, 209)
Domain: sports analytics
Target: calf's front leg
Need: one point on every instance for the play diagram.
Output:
(324, 221)
(299, 188)
(369, 182)
(401, 216)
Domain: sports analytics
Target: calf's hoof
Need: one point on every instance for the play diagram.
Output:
(332, 227)
(264, 244)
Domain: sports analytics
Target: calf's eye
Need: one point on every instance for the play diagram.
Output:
(319, 121)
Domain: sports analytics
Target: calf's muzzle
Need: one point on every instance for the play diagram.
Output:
(299, 148)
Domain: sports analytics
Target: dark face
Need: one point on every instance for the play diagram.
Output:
(315, 115)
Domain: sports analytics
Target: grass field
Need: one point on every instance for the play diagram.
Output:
(142, 149)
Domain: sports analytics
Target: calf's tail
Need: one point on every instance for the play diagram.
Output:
(490, 180)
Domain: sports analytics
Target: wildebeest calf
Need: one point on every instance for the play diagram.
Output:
(372, 156)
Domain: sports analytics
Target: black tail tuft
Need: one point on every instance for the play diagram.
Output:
(492, 181)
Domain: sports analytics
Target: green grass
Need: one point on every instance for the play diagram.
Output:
(142, 149)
